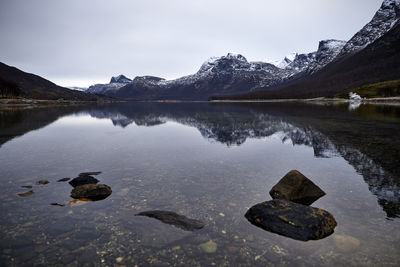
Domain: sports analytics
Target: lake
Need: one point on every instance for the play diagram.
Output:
(207, 161)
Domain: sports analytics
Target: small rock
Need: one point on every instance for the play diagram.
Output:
(26, 194)
(91, 191)
(346, 243)
(295, 187)
(233, 249)
(292, 220)
(209, 247)
(176, 248)
(83, 180)
(221, 214)
(26, 186)
(63, 179)
(57, 204)
(79, 202)
(119, 259)
(42, 182)
(89, 173)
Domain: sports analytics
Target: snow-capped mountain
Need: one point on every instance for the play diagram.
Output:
(381, 23)
(223, 75)
(116, 82)
(311, 62)
(234, 75)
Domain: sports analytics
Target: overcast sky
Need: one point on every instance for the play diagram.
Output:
(82, 42)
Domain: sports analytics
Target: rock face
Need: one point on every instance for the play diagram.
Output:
(173, 218)
(383, 20)
(91, 191)
(82, 180)
(115, 83)
(294, 186)
(292, 220)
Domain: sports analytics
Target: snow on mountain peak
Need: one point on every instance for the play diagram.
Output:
(120, 79)
(383, 20)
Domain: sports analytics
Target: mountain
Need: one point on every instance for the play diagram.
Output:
(77, 88)
(225, 75)
(337, 66)
(370, 56)
(16, 83)
(382, 22)
(115, 83)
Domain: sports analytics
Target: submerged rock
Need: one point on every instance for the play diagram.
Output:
(209, 247)
(63, 179)
(57, 204)
(346, 243)
(83, 180)
(91, 191)
(294, 186)
(26, 186)
(42, 182)
(293, 220)
(173, 218)
(26, 194)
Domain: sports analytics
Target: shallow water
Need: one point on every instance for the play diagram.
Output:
(209, 162)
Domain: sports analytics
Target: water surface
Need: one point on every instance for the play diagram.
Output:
(209, 162)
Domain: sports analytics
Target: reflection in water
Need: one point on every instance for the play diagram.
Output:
(156, 160)
(368, 145)
(314, 126)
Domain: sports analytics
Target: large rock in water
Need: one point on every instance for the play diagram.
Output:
(173, 218)
(294, 186)
(293, 220)
(91, 191)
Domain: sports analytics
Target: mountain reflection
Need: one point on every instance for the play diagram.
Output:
(365, 137)
(330, 131)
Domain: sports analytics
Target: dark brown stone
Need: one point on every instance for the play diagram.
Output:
(91, 191)
(42, 182)
(63, 179)
(292, 220)
(26, 194)
(82, 180)
(295, 187)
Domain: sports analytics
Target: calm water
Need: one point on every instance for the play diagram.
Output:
(209, 162)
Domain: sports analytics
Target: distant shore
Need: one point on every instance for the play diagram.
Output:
(21, 102)
(378, 100)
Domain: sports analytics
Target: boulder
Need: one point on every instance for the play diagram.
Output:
(292, 220)
(82, 180)
(294, 186)
(173, 218)
(91, 191)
